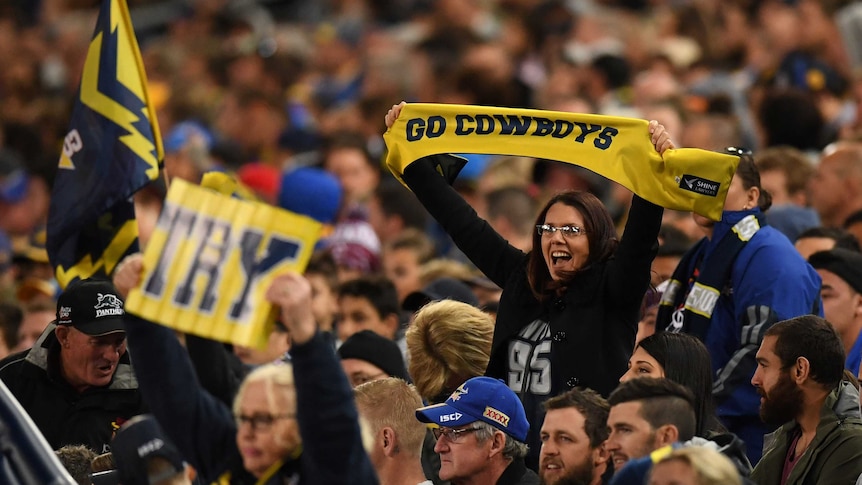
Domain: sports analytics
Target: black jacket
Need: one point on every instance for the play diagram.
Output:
(204, 430)
(518, 474)
(219, 371)
(64, 416)
(593, 325)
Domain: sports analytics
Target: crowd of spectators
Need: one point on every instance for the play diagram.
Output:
(289, 97)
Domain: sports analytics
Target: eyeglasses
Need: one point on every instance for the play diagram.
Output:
(742, 152)
(567, 231)
(359, 378)
(260, 422)
(453, 435)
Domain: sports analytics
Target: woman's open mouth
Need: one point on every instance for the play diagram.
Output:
(560, 257)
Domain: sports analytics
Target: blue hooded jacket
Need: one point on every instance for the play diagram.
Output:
(769, 282)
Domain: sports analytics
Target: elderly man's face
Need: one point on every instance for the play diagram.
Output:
(89, 361)
(462, 455)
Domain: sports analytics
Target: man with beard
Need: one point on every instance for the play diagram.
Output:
(800, 378)
(573, 436)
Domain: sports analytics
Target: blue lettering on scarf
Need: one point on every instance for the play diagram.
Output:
(513, 125)
(544, 127)
(418, 128)
(586, 130)
(484, 124)
(460, 121)
(562, 129)
(603, 141)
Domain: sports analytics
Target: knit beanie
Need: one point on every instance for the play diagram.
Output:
(845, 263)
(380, 351)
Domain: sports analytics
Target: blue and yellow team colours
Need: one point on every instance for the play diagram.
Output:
(112, 149)
(686, 179)
(211, 259)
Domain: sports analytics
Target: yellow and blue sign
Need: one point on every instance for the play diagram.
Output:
(211, 259)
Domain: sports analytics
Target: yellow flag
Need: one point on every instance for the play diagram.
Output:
(686, 179)
(211, 259)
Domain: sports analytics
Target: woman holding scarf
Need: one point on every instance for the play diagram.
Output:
(569, 309)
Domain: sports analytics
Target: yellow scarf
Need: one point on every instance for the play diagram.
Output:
(620, 149)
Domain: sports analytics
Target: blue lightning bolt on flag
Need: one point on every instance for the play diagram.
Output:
(113, 149)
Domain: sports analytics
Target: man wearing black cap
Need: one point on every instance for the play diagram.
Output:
(76, 383)
(841, 292)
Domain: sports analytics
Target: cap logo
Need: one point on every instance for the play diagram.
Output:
(108, 305)
(495, 415)
(150, 446)
(450, 417)
(456, 395)
(64, 313)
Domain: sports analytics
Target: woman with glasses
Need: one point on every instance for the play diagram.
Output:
(569, 309)
(291, 423)
(729, 288)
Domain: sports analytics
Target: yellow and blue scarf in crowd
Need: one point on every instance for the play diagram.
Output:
(617, 148)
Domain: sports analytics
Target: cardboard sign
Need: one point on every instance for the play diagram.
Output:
(211, 259)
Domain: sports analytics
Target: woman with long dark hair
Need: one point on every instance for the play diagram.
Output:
(569, 309)
(684, 360)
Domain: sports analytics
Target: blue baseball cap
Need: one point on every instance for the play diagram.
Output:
(185, 132)
(480, 399)
(14, 179)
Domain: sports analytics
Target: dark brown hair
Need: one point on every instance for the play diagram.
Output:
(598, 228)
(749, 175)
(686, 361)
(662, 400)
(789, 161)
(591, 405)
(815, 339)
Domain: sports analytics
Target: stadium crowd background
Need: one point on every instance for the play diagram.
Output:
(261, 88)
